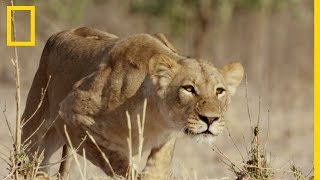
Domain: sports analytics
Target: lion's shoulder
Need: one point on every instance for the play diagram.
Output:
(87, 32)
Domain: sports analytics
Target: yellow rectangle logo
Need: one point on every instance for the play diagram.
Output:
(32, 26)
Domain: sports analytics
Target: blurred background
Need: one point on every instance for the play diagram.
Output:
(273, 39)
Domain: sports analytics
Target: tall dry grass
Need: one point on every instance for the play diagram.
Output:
(20, 165)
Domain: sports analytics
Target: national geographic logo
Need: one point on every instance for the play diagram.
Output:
(32, 25)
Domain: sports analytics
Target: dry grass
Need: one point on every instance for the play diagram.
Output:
(20, 165)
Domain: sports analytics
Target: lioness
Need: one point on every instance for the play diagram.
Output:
(96, 76)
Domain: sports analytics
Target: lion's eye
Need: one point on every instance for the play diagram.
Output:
(189, 88)
(219, 91)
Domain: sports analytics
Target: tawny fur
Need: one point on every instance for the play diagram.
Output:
(96, 77)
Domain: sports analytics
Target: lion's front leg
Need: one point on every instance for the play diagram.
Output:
(159, 161)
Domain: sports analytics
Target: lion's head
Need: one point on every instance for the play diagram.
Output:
(196, 93)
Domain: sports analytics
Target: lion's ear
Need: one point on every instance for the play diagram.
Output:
(233, 74)
(162, 69)
(165, 41)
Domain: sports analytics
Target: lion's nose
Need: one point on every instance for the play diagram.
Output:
(209, 120)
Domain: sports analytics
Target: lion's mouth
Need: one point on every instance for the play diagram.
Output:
(189, 132)
(206, 132)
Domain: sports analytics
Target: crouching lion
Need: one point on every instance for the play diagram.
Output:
(87, 79)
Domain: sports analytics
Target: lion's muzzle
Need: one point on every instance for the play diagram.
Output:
(209, 119)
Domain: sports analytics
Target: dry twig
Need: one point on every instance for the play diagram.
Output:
(102, 153)
(73, 152)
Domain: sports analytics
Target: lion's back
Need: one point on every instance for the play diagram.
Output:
(78, 51)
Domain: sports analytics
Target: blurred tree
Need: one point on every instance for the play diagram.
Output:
(69, 11)
(200, 14)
